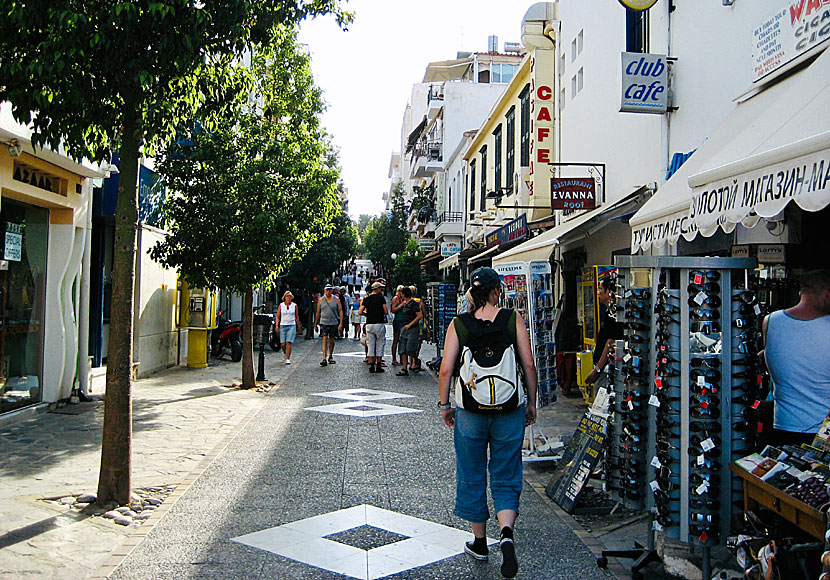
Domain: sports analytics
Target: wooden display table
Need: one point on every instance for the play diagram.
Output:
(794, 511)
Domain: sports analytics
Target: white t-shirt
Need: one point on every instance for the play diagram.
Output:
(287, 314)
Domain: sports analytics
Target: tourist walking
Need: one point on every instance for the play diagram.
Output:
(288, 323)
(397, 323)
(354, 315)
(499, 427)
(408, 341)
(374, 306)
(415, 362)
(328, 322)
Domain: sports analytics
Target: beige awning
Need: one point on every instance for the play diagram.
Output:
(666, 216)
(450, 262)
(783, 155)
(447, 70)
(483, 256)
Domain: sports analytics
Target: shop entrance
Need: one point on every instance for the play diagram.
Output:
(22, 299)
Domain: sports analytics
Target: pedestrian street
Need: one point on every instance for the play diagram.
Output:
(342, 474)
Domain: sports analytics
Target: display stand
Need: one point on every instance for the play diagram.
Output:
(686, 388)
(441, 305)
(528, 289)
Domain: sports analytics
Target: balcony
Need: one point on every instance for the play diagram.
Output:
(435, 101)
(449, 223)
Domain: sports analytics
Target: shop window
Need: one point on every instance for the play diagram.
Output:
(22, 300)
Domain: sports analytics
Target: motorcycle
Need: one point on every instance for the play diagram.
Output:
(226, 335)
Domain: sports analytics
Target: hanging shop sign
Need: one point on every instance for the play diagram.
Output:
(426, 245)
(638, 5)
(572, 193)
(512, 231)
(645, 83)
(771, 253)
(450, 248)
(798, 26)
(13, 249)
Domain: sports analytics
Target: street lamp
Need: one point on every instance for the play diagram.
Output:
(394, 256)
(262, 326)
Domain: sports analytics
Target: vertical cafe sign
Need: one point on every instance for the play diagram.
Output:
(541, 120)
(797, 27)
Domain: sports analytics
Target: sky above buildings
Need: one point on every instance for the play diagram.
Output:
(367, 73)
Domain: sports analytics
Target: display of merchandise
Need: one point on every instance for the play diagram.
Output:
(442, 300)
(687, 390)
(528, 289)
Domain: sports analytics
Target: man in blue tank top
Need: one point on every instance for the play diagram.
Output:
(797, 353)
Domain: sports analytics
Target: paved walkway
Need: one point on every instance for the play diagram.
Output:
(262, 478)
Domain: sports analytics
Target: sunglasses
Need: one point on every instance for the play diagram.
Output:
(743, 323)
(704, 518)
(698, 276)
(746, 310)
(664, 336)
(712, 464)
(708, 388)
(637, 339)
(634, 303)
(637, 326)
(705, 401)
(703, 533)
(704, 314)
(665, 359)
(710, 300)
(704, 504)
(643, 293)
(710, 412)
(710, 287)
(713, 374)
(631, 312)
(746, 296)
(712, 363)
(699, 478)
(705, 327)
(667, 309)
(664, 445)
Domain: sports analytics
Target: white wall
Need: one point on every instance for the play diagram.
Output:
(157, 343)
(592, 128)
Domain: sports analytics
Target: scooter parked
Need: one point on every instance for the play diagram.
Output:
(227, 336)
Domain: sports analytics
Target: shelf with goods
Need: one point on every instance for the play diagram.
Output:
(699, 382)
(442, 300)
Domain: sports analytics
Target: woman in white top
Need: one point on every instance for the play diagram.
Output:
(288, 321)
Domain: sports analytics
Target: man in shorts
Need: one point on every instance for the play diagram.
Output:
(410, 332)
(328, 322)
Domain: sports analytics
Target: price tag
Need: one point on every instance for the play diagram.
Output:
(655, 525)
(700, 298)
(663, 347)
(757, 310)
(627, 432)
(654, 486)
(625, 344)
(701, 381)
(626, 358)
(701, 459)
(656, 462)
(630, 404)
(628, 294)
(701, 489)
(636, 361)
(698, 278)
(704, 405)
(703, 537)
(658, 382)
(654, 401)
(707, 444)
(755, 404)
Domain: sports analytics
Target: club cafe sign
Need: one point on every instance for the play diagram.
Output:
(645, 83)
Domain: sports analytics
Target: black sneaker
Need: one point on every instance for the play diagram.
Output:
(372, 369)
(509, 564)
(469, 547)
(323, 362)
(378, 369)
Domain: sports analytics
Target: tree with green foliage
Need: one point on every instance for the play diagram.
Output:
(310, 272)
(363, 223)
(407, 269)
(101, 76)
(250, 197)
(387, 234)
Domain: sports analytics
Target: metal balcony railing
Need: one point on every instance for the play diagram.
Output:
(449, 217)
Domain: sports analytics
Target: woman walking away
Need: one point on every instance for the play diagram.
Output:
(493, 417)
(374, 306)
(288, 321)
(354, 315)
(397, 323)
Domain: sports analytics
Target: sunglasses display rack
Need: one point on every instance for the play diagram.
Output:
(700, 388)
(442, 302)
(544, 314)
(632, 369)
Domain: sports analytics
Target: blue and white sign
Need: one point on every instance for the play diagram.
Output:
(645, 83)
(13, 250)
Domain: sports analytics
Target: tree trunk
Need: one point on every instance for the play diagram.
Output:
(115, 478)
(248, 376)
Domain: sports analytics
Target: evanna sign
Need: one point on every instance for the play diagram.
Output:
(645, 83)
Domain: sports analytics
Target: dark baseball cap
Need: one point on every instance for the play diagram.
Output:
(485, 278)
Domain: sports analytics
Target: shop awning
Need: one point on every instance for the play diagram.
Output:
(447, 70)
(450, 262)
(483, 256)
(783, 155)
(666, 216)
(431, 257)
(540, 247)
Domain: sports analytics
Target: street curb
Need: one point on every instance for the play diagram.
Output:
(120, 554)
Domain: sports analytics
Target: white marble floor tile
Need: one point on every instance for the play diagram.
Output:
(362, 395)
(359, 409)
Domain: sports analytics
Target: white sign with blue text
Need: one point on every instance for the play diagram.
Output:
(645, 83)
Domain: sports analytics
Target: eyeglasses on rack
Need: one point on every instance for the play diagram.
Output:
(746, 296)
(709, 275)
(642, 293)
(637, 326)
(712, 300)
(707, 373)
(705, 326)
(704, 314)
(698, 362)
(667, 309)
(708, 287)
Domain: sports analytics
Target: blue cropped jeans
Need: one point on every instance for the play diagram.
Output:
(503, 434)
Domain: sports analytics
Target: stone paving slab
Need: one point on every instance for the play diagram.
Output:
(288, 464)
(180, 416)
